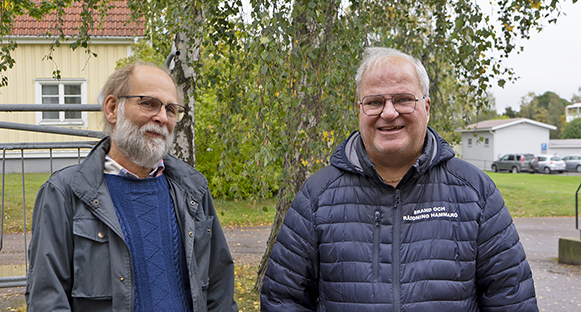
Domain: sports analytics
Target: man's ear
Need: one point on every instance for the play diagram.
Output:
(110, 107)
(428, 105)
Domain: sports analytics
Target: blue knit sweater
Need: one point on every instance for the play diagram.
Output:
(147, 217)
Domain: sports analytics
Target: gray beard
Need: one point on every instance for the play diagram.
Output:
(135, 143)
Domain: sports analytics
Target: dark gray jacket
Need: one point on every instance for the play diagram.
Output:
(442, 240)
(79, 260)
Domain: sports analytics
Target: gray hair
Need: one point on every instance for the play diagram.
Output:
(373, 55)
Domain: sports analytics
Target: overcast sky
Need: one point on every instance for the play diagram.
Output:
(551, 61)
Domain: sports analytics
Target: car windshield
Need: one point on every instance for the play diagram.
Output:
(555, 158)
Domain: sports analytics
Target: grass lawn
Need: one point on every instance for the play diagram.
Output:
(13, 212)
(245, 212)
(244, 280)
(537, 195)
(230, 212)
(526, 195)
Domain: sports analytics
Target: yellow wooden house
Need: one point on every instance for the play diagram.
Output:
(31, 80)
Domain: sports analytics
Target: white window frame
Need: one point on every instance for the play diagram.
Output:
(38, 83)
(469, 142)
(486, 142)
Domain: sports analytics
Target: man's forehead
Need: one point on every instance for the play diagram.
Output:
(388, 61)
(149, 78)
(388, 69)
(143, 74)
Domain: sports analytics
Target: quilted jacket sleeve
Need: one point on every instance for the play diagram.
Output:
(291, 280)
(503, 275)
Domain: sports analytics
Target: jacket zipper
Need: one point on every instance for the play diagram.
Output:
(376, 245)
(396, 254)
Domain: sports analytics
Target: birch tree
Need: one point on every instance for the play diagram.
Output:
(301, 101)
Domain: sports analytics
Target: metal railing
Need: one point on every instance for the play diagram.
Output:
(18, 281)
(577, 210)
(481, 164)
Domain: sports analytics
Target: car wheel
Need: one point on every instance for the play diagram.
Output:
(547, 170)
(495, 169)
(514, 170)
(578, 168)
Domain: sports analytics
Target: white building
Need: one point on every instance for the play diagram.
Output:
(486, 141)
(565, 147)
(573, 111)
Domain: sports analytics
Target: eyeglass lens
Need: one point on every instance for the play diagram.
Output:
(404, 103)
(151, 106)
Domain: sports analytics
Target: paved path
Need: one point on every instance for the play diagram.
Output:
(247, 245)
(558, 286)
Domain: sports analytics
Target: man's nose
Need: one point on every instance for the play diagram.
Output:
(161, 116)
(389, 110)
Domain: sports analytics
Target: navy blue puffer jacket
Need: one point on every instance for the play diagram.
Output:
(442, 240)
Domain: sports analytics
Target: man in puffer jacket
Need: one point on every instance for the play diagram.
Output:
(396, 222)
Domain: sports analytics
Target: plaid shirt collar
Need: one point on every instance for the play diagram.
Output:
(112, 167)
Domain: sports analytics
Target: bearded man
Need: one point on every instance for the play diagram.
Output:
(131, 228)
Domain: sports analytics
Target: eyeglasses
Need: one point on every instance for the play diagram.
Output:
(403, 103)
(151, 106)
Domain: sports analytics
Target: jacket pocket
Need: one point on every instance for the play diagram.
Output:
(91, 260)
(202, 249)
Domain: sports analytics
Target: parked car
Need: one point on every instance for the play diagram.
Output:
(516, 163)
(572, 163)
(548, 164)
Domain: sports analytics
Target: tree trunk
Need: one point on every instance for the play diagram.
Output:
(187, 41)
(312, 34)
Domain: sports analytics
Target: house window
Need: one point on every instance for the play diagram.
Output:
(486, 142)
(64, 91)
(469, 142)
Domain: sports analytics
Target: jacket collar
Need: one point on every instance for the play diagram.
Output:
(89, 177)
(350, 155)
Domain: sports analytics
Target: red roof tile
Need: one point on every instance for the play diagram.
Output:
(113, 24)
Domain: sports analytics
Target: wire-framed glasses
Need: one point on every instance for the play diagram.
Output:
(403, 103)
(151, 106)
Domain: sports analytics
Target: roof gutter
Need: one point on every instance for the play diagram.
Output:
(69, 40)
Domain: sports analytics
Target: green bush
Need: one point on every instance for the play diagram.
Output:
(573, 130)
(229, 178)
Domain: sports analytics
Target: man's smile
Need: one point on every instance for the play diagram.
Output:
(390, 128)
